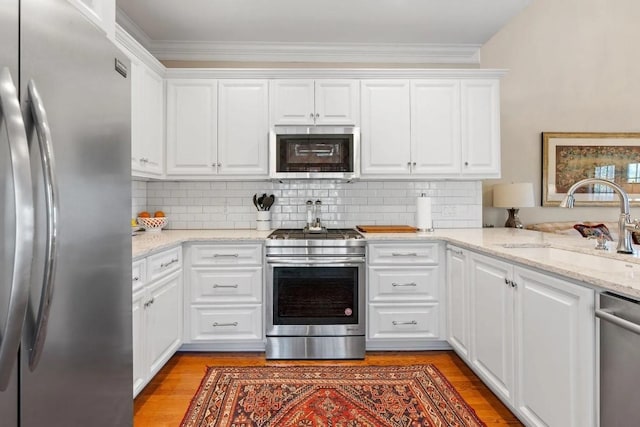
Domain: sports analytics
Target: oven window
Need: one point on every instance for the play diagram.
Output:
(314, 153)
(315, 295)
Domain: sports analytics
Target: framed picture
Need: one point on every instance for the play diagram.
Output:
(569, 157)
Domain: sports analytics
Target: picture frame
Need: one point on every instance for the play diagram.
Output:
(568, 157)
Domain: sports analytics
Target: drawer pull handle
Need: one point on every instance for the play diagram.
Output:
(135, 279)
(173, 261)
(148, 303)
(394, 284)
(225, 286)
(410, 322)
(216, 324)
(457, 252)
(225, 256)
(404, 254)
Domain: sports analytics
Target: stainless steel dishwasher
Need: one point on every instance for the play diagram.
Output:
(619, 360)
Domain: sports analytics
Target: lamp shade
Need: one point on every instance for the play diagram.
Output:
(518, 195)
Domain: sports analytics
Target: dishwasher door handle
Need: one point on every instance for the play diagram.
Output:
(625, 324)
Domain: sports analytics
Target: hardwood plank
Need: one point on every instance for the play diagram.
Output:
(165, 399)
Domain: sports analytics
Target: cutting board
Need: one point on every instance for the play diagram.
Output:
(386, 228)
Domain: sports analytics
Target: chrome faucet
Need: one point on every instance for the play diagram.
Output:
(625, 226)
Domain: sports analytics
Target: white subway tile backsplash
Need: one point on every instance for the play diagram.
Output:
(228, 205)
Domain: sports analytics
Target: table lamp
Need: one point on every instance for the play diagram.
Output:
(513, 197)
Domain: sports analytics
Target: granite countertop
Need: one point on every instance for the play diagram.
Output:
(568, 256)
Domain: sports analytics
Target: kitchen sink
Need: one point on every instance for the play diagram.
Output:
(602, 265)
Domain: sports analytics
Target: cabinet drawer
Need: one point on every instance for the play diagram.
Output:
(403, 321)
(240, 322)
(226, 255)
(230, 284)
(403, 284)
(407, 254)
(159, 265)
(138, 273)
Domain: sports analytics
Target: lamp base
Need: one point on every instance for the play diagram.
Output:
(513, 221)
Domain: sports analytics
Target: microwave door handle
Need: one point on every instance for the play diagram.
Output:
(37, 120)
(24, 226)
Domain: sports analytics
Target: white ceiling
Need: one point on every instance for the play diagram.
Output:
(200, 29)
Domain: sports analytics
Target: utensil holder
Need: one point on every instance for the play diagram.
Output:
(263, 220)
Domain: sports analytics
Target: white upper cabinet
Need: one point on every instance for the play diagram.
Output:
(192, 127)
(147, 121)
(217, 127)
(243, 127)
(314, 102)
(481, 128)
(435, 127)
(146, 75)
(385, 127)
(431, 128)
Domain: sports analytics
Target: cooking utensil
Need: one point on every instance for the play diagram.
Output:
(261, 202)
(268, 202)
(255, 201)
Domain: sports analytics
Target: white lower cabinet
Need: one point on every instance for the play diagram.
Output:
(555, 351)
(403, 293)
(157, 313)
(491, 317)
(225, 295)
(457, 301)
(530, 336)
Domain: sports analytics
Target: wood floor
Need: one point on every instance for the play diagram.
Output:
(165, 399)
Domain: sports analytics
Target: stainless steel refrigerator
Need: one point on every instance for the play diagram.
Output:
(65, 203)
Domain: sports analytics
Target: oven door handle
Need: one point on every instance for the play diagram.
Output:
(315, 260)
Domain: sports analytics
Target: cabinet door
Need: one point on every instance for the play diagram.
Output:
(243, 127)
(337, 102)
(555, 348)
(458, 301)
(292, 102)
(139, 367)
(191, 127)
(137, 120)
(164, 321)
(435, 127)
(386, 127)
(481, 128)
(151, 125)
(491, 307)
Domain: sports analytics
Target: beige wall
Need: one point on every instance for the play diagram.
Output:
(573, 66)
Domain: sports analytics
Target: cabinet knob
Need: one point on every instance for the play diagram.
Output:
(466, 163)
(311, 115)
(317, 115)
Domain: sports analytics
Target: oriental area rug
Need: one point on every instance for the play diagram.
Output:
(328, 396)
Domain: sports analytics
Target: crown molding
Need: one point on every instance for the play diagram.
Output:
(132, 28)
(317, 52)
(328, 73)
(128, 42)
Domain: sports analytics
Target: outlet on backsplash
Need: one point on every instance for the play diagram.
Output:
(449, 211)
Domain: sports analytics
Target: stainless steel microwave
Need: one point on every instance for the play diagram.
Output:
(314, 152)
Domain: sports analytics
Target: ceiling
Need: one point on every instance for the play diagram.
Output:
(303, 29)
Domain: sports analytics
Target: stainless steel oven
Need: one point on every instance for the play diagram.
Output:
(314, 152)
(315, 303)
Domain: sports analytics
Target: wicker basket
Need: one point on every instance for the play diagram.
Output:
(153, 224)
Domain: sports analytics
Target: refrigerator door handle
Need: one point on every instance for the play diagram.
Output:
(36, 118)
(24, 225)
